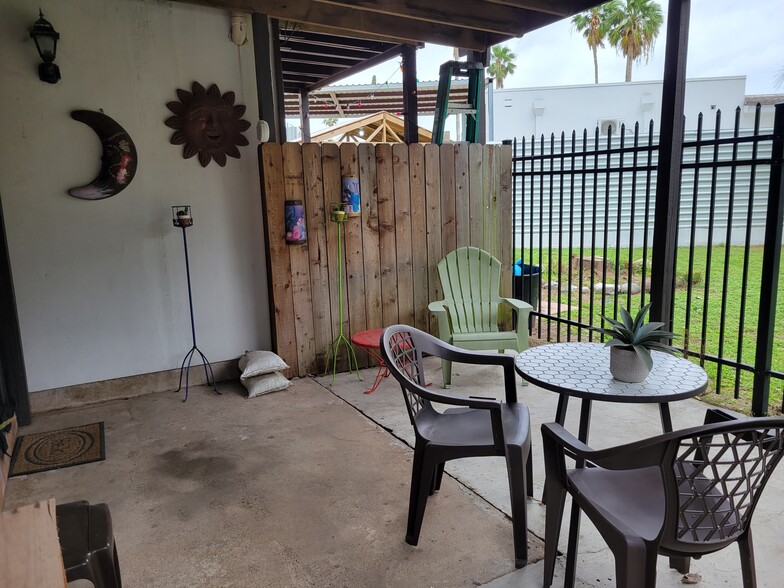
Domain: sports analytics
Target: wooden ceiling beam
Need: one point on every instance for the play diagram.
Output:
(471, 14)
(557, 8)
(301, 33)
(337, 103)
(347, 19)
(319, 71)
(368, 63)
(320, 51)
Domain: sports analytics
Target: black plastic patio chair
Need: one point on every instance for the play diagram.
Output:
(87, 544)
(478, 427)
(682, 494)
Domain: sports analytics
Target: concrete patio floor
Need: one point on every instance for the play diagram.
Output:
(297, 488)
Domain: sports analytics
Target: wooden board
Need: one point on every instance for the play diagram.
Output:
(491, 220)
(330, 165)
(30, 555)
(405, 278)
(317, 250)
(433, 206)
(477, 196)
(419, 262)
(300, 264)
(448, 227)
(354, 260)
(504, 171)
(278, 260)
(370, 235)
(386, 229)
(462, 201)
(5, 460)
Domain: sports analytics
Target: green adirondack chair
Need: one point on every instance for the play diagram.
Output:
(468, 315)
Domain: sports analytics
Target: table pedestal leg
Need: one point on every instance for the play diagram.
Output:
(560, 418)
(681, 564)
(574, 521)
(666, 419)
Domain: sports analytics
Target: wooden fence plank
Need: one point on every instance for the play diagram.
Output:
(462, 209)
(504, 170)
(448, 228)
(386, 228)
(433, 204)
(405, 278)
(317, 218)
(294, 189)
(416, 164)
(491, 220)
(278, 260)
(330, 164)
(355, 264)
(476, 189)
(370, 235)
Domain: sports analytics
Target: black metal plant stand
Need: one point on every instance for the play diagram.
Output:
(184, 223)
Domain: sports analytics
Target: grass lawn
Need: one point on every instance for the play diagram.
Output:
(707, 316)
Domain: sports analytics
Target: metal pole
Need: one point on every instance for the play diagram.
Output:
(304, 115)
(771, 260)
(185, 367)
(410, 101)
(188, 275)
(490, 120)
(668, 177)
(269, 76)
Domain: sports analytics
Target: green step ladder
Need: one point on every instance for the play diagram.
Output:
(474, 71)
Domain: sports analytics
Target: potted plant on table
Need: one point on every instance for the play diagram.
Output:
(631, 344)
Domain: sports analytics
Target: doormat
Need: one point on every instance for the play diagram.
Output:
(40, 452)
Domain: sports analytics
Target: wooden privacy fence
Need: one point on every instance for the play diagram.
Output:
(419, 202)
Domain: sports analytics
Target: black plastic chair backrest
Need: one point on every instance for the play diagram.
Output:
(402, 350)
(718, 475)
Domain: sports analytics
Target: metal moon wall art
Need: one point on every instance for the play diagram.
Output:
(118, 161)
(208, 124)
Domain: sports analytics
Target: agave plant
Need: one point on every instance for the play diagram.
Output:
(635, 334)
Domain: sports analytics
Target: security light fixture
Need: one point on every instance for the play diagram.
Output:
(45, 38)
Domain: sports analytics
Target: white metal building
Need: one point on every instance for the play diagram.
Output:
(522, 112)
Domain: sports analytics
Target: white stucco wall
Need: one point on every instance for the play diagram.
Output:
(100, 285)
(522, 112)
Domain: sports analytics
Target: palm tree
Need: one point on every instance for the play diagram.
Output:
(632, 28)
(778, 80)
(501, 64)
(593, 27)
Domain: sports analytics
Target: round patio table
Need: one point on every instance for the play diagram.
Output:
(582, 370)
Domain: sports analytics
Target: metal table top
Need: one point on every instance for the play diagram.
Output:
(583, 370)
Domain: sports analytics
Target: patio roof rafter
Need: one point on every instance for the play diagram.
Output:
(469, 24)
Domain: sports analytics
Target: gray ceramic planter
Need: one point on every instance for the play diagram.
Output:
(626, 366)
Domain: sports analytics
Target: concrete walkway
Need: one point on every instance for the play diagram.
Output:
(612, 424)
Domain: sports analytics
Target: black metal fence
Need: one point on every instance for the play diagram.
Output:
(583, 230)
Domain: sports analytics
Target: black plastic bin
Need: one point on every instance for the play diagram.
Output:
(525, 284)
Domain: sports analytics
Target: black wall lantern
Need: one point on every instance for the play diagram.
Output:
(45, 38)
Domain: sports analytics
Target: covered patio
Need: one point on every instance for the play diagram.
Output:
(309, 486)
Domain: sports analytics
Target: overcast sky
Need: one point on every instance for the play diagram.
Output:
(726, 38)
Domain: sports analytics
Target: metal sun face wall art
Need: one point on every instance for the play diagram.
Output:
(208, 124)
